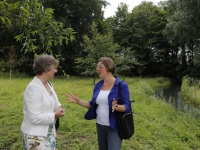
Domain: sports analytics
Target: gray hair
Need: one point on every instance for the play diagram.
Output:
(44, 62)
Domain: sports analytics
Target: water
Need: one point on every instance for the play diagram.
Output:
(172, 95)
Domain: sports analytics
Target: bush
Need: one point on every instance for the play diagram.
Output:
(161, 79)
(146, 89)
(4, 66)
(15, 74)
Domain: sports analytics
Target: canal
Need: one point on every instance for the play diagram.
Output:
(172, 95)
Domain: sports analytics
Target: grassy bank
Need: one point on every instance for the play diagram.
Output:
(158, 126)
(190, 90)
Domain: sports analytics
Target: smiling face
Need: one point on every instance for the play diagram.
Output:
(50, 73)
(44, 63)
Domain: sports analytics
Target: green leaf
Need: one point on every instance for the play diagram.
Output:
(24, 10)
(2, 19)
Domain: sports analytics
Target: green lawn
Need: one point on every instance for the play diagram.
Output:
(158, 126)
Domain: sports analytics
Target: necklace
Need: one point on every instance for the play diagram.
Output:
(48, 89)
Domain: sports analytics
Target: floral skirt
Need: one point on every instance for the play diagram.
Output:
(39, 142)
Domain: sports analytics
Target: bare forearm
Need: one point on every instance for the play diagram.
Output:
(84, 103)
(121, 108)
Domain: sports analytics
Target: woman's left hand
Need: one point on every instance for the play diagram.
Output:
(114, 105)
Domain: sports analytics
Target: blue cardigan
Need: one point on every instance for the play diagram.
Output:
(125, 94)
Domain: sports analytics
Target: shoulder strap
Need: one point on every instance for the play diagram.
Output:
(119, 94)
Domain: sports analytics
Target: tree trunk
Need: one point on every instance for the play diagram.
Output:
(10, 73)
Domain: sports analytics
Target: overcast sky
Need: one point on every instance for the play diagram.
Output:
(111, 9)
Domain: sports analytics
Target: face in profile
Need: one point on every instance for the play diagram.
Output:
(50, 73)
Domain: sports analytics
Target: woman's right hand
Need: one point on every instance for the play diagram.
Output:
(60, 112)
(75, 99)
(72, 98)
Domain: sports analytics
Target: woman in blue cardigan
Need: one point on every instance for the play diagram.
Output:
(104, 105)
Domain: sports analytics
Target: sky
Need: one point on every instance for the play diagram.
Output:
(111, 9)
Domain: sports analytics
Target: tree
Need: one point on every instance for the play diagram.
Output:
(183, 29)
(126, 62)
(141, 31)
(79, 15)
(40, 30)
(117, 22)
(34, 27)
(93, 48)
(121, 34)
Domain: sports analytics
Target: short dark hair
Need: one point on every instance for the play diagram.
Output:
(108, 63)
(44, 62)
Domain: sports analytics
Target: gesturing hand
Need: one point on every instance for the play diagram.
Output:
(72, 98)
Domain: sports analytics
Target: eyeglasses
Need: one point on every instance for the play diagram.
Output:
(99, 67)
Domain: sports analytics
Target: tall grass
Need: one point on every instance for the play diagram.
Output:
(158, 126)
(190, 90)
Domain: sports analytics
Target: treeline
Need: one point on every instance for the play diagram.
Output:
(150, 40)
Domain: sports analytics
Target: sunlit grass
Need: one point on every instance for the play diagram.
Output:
(157, 124)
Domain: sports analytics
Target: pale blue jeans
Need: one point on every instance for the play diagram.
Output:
(108, 138)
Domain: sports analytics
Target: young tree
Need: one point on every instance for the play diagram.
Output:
(126, 62)
(96, 46)
(12, 59)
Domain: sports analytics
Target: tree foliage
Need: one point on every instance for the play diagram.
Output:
(94, 47)
(38, 31)
(141, 32)
(183, 29)
(151, 40)
(6, 11)
(34, 30)
(40, 27)
(79, 15)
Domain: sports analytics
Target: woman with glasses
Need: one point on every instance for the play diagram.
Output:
(103, 105)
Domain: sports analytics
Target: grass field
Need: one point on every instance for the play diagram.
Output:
(158, 126)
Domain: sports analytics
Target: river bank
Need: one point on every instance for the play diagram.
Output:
(190, 90)
(172, 95)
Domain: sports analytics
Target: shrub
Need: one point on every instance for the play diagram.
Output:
(161, 79)
(145, 89)
(4, 66)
